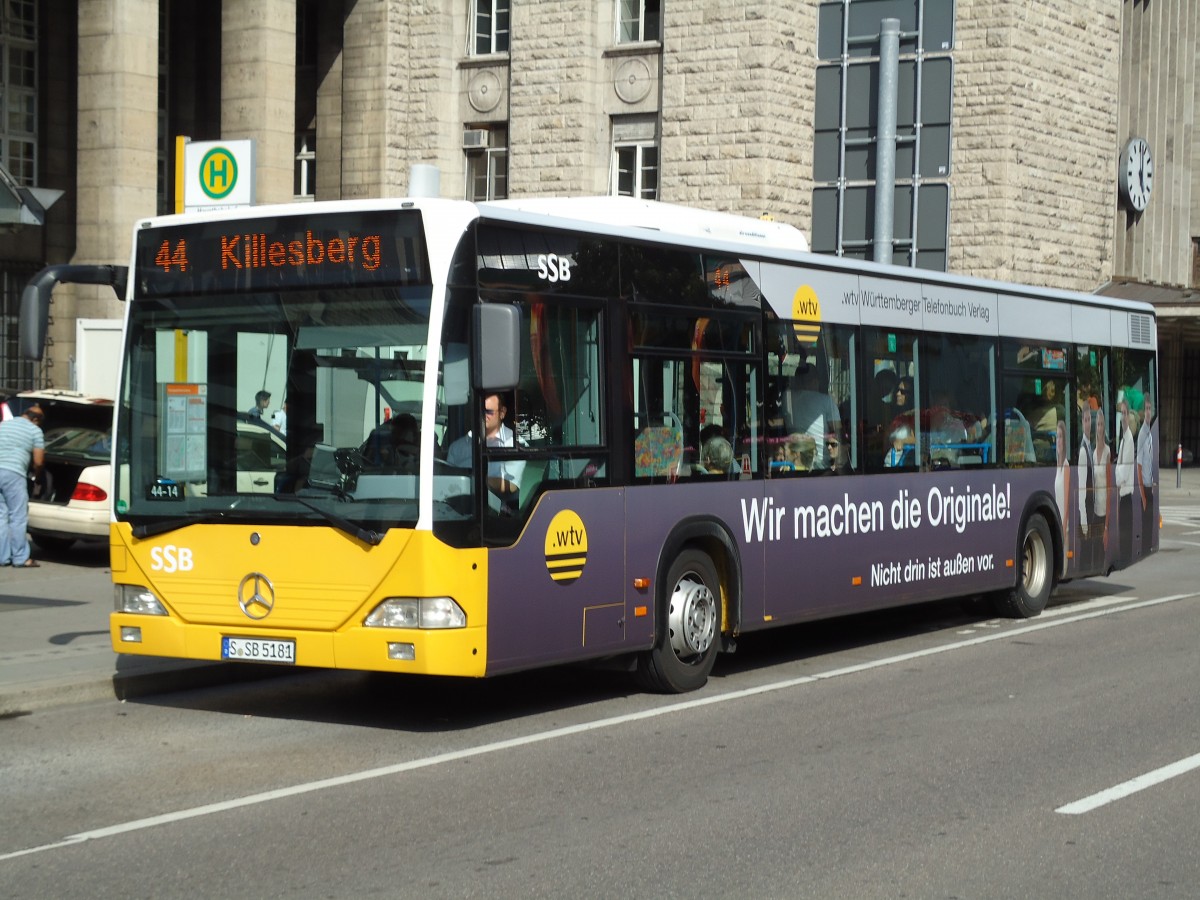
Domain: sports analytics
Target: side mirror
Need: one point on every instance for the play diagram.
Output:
(35, 317)
(35, 299)
(496, 346)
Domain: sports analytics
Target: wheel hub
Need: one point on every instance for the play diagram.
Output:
(1036, 564)
(692, 618)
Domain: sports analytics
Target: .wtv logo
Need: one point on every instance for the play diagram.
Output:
(566, 547)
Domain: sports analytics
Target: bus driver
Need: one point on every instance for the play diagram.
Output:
(504, 477)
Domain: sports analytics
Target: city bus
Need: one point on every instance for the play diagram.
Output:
(524, 433)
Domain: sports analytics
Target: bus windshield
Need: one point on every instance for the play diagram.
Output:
(300, 404)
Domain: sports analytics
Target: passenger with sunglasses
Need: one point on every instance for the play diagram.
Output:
(22, 451)
(838, 452)
(902, 398)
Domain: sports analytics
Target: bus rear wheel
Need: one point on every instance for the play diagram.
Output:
(1028, 598)
(686, 647)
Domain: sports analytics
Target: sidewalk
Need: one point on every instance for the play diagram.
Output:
(54, 645)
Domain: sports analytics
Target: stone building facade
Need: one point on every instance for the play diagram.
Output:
(715, 102)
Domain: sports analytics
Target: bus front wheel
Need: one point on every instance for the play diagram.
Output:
(690, 621)
(1028, 598)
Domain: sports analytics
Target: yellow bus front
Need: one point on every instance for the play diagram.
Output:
(306, 596)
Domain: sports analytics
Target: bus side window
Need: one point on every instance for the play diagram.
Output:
(958, 417)
(1037, 392)
(894, 429)
(809, 386)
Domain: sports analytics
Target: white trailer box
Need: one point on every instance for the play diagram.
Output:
(97, 357)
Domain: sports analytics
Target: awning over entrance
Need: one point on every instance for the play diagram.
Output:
(20, 206)
(1178, 308)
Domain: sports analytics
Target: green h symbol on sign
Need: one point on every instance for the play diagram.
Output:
(218, 173)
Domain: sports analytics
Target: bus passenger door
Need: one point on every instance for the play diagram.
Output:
(556, 591)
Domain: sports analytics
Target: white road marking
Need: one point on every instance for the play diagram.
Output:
(1132, 786)
(1094, 603)
(1053, 619)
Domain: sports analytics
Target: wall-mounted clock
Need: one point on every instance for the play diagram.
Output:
(1135, 176)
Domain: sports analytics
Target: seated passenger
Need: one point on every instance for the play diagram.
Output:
(800, 451)
(716, 457)
(839, 453)
(902, 449)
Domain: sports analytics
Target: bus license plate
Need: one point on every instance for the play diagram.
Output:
(259, 650)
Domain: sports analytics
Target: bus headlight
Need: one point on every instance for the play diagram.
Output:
(133, 598)
(417, 612)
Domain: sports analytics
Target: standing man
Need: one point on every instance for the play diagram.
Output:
(1126, 470)
(22, 448)
(1085, 474)
(1145, 459)
(279, 419)
(261, 401)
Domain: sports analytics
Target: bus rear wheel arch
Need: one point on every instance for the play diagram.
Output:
(1035, 578)
(689, 635)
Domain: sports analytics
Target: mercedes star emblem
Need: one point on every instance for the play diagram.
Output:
(256, 595)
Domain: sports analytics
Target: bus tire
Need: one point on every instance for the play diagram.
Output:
(1028, 598)
(690, 623)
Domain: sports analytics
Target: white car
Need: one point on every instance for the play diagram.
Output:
(261, 455)
(72, 499)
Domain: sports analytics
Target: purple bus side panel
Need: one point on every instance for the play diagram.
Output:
(846, 545)
(809, 547)
(559, 592)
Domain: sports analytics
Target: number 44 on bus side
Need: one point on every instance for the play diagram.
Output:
(165, 258)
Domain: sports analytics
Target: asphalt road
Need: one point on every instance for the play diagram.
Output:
(935, 752)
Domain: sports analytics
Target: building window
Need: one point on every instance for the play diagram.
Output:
(305, 182)
(304, 173)
(639, 20)
(490, 22)
(486, 150)
(164, 147)
(307, 34)
(18, 90)
(844, 139)
(15, 373)
(635, 157)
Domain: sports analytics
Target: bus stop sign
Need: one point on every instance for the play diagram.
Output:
(218, 175)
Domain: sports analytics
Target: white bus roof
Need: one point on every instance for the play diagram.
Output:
(630, 217)
(630, 212)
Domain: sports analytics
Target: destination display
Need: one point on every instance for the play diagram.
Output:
(281, 252)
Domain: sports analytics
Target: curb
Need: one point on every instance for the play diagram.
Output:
(150, 678)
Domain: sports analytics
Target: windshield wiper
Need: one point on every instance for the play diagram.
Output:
(363, 534)
(153, 528)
